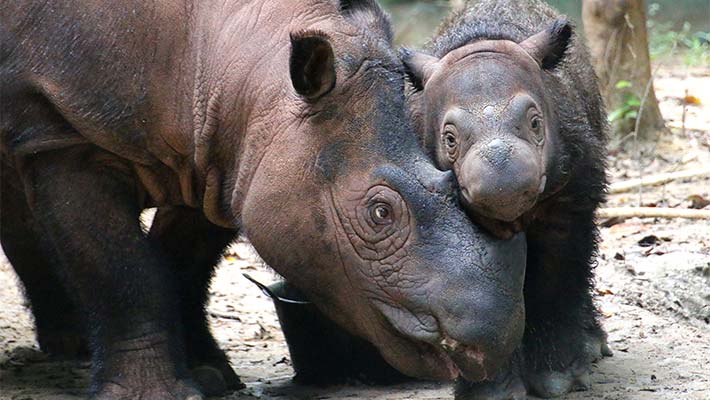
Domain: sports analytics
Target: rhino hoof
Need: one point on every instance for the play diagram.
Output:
(209, 380)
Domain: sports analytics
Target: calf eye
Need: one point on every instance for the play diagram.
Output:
(537, 128)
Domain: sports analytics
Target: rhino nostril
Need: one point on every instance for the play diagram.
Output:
(449, 344)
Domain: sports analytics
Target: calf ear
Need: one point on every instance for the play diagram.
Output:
(418, 66)
(548, 47)
(312, 64)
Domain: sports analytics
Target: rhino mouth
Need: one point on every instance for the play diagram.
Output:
(424, 350)
(438, 361)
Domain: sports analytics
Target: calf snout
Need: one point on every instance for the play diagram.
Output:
(501, 179)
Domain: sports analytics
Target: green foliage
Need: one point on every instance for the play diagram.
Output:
(628, 110)
(693, 48)
(622, 84)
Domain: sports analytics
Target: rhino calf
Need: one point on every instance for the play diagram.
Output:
(285, 121)
(508, 100)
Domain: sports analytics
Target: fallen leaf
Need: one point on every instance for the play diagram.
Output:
(611, 222)
(650, 240)
(697, 201)
(627, 228)
(619, 256)
(690, 99)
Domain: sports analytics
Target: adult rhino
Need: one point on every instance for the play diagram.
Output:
(281, 120)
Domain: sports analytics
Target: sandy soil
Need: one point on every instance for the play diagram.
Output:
(655, 299)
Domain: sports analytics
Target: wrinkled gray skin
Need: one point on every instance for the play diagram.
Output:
(283, 120)
(500, 139)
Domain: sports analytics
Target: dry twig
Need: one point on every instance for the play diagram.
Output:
(652, 212)
(625, 186)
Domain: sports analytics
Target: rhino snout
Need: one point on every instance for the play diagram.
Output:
(472, 311)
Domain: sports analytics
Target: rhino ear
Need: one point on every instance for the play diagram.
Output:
(548, 47)
(418, 66)
(312, 64)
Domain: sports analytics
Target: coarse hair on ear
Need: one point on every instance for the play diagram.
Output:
(369, 15)
(312, 64)
(418, 66)
(548, 47)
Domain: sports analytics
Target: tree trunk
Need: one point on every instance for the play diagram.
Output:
(618, 41)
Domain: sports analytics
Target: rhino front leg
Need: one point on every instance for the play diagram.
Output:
(59, 328)
(87, 202)
(506, 385)
(195, 245)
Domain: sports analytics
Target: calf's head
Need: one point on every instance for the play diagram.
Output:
(489, 117)
(347, 207)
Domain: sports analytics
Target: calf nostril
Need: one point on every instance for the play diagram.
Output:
(497, 152)
(496, 143)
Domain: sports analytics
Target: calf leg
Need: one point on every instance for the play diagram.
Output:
(563, 336)
(195, 246)
(59, 329)
(88, 204)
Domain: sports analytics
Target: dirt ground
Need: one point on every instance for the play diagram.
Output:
(655, 297)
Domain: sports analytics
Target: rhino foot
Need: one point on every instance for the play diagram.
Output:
(576, 377)
(522, 378)
(175, 390)
(506, 386)
(556, 383)
(64, 345)
(216, 380)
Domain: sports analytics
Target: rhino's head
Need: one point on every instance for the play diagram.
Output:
(346, 206)
(490, 116)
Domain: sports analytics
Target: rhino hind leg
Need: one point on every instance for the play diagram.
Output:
(60, 331)
(194, 253)
(87, 203)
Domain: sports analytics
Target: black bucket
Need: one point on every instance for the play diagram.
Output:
(322, 353)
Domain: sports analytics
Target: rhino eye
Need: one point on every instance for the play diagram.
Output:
(377, 224)
(450, 139)
(381, 213)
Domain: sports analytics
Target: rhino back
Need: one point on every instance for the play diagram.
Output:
(76, 72)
